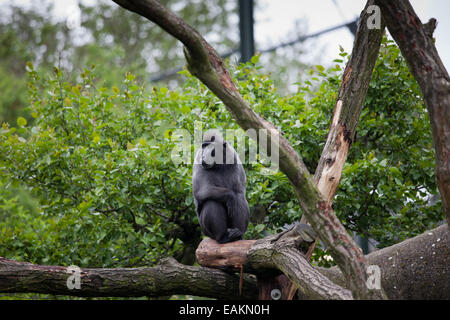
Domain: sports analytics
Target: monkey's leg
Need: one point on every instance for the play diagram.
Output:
(239, 217)
(213, 221)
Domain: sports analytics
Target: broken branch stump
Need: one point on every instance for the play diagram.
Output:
(268, 258)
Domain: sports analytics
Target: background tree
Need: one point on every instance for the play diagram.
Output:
(96, 160)
(107, 36)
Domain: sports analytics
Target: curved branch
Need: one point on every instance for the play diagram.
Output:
(208, 66)
(282, 253)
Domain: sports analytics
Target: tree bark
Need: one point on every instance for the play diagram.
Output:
(416, 43)
(166, 279)
(227, 256)
(351, 96)
(286, 252)
(266, 257)
(417, 268)
(349, 104)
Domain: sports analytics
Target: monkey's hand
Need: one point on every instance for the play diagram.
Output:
(237, 205)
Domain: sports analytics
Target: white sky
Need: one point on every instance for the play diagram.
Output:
(276, 18)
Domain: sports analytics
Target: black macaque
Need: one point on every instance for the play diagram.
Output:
(218, 181)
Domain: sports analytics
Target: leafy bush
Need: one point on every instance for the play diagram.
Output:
(97, 160)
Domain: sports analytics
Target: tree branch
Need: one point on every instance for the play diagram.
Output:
(350, 101)
(266, 257)
(416, 268)
(417, 46)
(167, 278)
(287, 254)
(207, 65)
(347, 111)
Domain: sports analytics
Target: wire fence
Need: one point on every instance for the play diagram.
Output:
(352, 26)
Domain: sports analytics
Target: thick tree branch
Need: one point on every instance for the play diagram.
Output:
(417, 268)
(167, 278)
(285, 253)
(352, 93)
(353, 90)
(350, 101)
(417, 46)
(266, 257)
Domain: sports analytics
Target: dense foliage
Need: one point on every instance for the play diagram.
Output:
(97, 162)
(106, 35)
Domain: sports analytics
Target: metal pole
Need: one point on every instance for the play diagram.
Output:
(247, 44)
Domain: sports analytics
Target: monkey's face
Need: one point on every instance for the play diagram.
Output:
(213, 154)
(215, 151)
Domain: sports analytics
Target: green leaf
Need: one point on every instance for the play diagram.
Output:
(255, 59)
(22, 122)
(185, 109)
(260, 227)
(140, 221)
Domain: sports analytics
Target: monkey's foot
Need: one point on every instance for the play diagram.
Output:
(233, 234)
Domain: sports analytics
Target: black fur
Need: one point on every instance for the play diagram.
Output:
(219, 190)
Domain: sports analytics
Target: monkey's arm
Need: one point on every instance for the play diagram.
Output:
(219, 194)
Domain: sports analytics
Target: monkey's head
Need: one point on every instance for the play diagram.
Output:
(215, 151)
